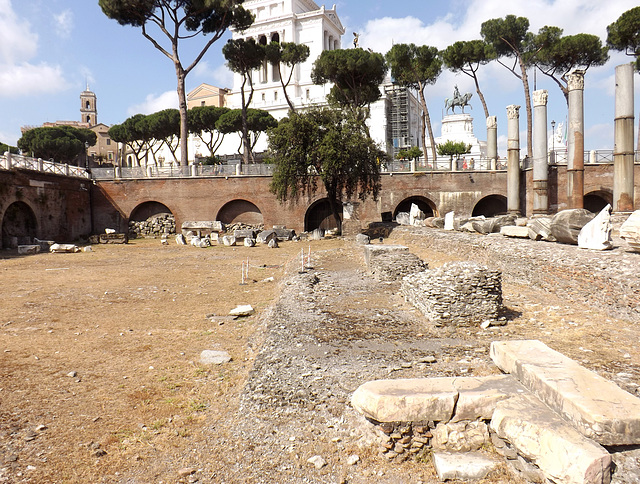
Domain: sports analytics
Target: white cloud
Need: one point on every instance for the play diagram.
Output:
(574, 16)
(64, 23)
(219, 76)
(27, 79)
(154, 103)
(17, 42)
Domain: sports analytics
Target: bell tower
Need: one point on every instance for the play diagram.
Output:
(88, 109)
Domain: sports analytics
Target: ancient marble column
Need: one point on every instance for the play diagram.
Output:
(540, 151)
(492, 141)
(575, 141)
(623, 141)
(513, 159)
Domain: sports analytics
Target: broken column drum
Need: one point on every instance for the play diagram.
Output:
(540, 149)
(623, 141)
(575, 141)
(513, 159)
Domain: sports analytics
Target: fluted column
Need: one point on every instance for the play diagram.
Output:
(513, 159)
(540, 149)
(623, 141)
(575, 148)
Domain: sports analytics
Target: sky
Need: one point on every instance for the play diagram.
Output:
(50, 50)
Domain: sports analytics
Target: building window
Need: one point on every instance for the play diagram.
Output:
(202, 103)
(308, 93)
(108, 141)
(264, 97)
(275, 96)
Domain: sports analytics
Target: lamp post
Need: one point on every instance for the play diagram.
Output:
(553, 141)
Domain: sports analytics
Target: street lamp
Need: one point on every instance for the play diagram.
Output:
(553, 141)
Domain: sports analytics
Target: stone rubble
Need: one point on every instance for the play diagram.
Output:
(154, 226)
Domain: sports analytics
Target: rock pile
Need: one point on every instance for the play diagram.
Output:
(460, 293)
(154, 226)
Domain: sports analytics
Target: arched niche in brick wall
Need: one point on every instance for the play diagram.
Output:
(319, 216)
(423, 203)
(18, 225)
(240, 211)
(490, 206)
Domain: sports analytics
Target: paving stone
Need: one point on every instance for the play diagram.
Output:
(596, 407)
(412, 400)
(543, 438)
(467, 465)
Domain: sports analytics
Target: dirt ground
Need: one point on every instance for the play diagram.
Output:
(99, 355)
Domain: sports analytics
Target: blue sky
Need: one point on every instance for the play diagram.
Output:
(50, 50)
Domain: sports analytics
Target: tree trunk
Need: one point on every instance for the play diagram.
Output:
(334, 211)
(527, 100)
(182, 103)
(245, 130)
(481, 96)
(424, 116)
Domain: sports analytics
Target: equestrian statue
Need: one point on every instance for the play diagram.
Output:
(457, 100)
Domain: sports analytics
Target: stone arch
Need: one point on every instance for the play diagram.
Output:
(596, 200)
(423, 203)
(148, 209)
(19, 225)
(240, 211)
(319, 216)
(490, 206)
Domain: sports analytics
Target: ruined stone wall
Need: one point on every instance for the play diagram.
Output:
(60, 205)
(460, 293)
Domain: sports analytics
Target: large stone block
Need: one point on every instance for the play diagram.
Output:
(468, 465)
(567, 224)
(596, 235)
(542, 437)
(630, 231)
(596, 407)
(437, 399)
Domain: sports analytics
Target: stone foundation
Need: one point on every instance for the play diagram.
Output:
(458, 293)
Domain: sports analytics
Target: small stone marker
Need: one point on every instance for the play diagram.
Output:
(242, 310)
(229, 240)
(213, 357)
(449, 221)
(248, 242)
(180, 240)
(273, 244)
(469, 465)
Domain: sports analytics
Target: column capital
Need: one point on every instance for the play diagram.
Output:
(540, 97)
(492, 122)
(575, 80)
(513, 111)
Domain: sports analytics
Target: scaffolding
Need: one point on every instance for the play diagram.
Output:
(398, 128)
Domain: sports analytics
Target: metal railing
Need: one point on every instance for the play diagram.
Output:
(9, 161)
(195, 170)
(440, 164)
